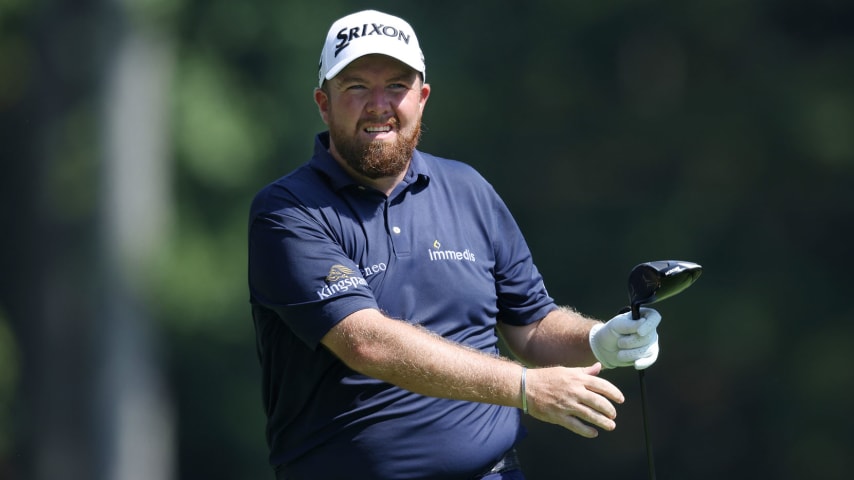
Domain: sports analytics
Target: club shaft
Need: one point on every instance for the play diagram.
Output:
(650, 461)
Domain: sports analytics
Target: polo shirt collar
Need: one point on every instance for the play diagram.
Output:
(323, 162)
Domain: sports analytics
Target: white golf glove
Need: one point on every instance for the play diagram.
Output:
(622, 341)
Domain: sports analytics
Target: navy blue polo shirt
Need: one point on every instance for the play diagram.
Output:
(442, 251)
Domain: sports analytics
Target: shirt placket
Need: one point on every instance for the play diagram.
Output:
(397, 221)
(397, 226)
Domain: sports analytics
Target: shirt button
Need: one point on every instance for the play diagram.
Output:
(396, 230)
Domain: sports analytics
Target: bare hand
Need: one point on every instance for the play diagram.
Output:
(574, 398)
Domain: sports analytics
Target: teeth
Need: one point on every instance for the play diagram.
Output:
(384, 128)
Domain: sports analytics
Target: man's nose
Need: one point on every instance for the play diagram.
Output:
(378, 101)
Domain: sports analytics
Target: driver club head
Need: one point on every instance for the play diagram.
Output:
(653, 282)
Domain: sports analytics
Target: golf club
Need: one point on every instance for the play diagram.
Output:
(649, 283)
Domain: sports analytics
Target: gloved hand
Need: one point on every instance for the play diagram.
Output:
(622, 341)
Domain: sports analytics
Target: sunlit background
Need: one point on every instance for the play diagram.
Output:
(133, 135)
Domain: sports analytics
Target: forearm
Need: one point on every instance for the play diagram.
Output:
(422, 362)
(561, 338)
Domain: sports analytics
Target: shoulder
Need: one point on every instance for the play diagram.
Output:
(452, 172)
(301, 187)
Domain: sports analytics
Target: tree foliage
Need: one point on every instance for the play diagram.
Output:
(720, 132)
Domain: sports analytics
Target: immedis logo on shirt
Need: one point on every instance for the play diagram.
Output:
(340, 279)
(437, 253)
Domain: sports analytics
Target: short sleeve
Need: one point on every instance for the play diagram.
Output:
(522, 295)
(298, 270)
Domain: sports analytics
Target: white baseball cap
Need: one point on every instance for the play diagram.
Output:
(364, 33)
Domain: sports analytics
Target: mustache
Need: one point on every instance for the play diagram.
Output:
(365, 122)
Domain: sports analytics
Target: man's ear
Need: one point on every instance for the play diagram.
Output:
(425, 93)
(321, 98)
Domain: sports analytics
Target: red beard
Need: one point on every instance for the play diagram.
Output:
(377, 159)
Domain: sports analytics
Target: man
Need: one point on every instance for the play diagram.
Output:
(380, 277)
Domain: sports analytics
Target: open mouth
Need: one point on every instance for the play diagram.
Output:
(378, 129)
(379, 126)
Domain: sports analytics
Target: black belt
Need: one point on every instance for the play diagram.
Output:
(510, 461)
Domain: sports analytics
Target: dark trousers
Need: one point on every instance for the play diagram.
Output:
(507, 468)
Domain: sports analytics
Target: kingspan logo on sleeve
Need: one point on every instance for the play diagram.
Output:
(340, 279)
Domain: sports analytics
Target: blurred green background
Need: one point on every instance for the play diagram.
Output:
(134, 134)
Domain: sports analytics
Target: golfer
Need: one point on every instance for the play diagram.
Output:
(381, 278)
